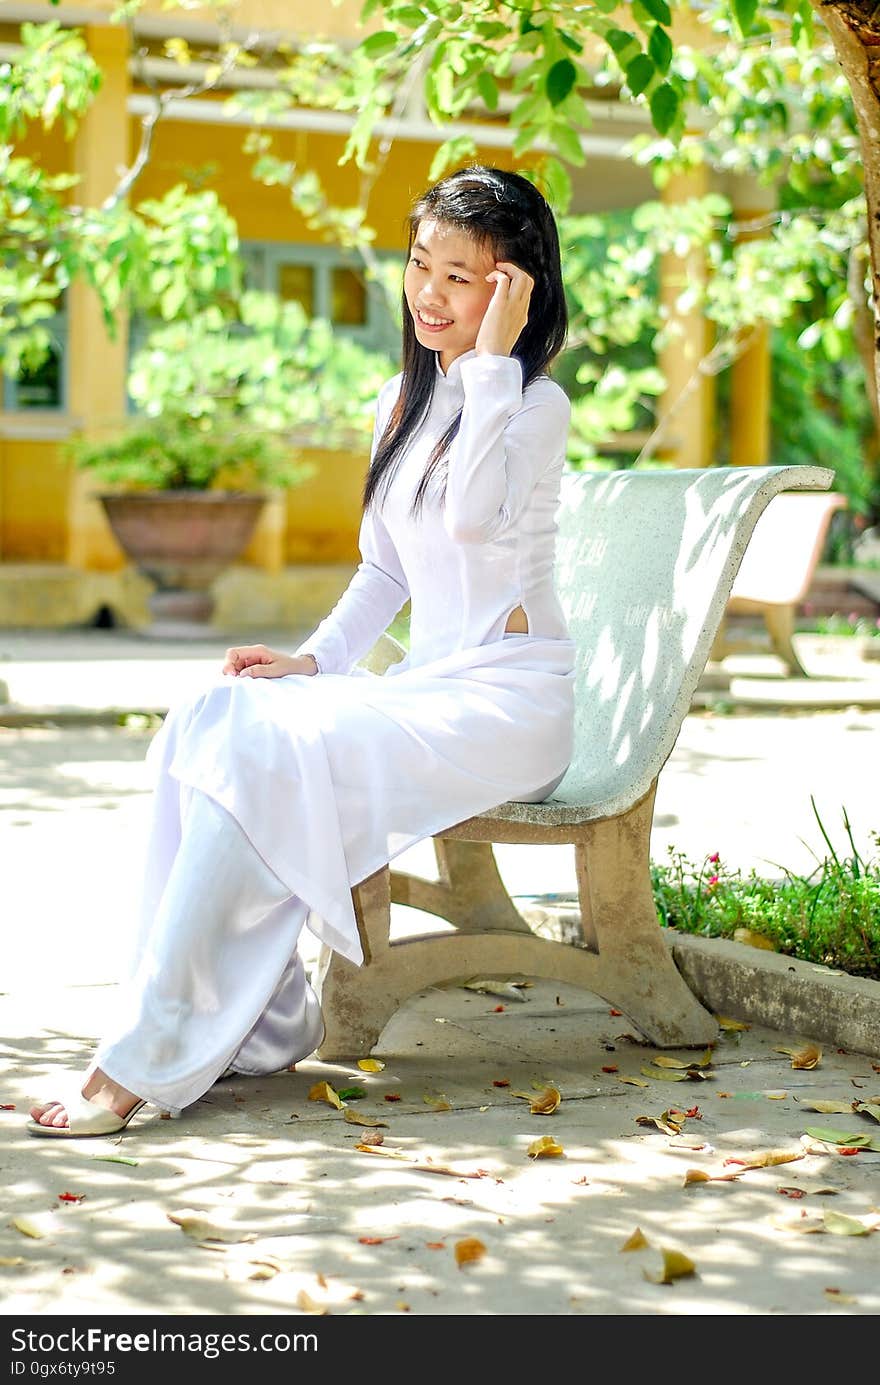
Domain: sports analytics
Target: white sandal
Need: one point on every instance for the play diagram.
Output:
(84, 1118)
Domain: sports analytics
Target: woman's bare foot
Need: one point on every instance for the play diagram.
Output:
(99, 1089)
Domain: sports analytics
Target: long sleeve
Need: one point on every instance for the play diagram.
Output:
(504, 444)
(375, 593)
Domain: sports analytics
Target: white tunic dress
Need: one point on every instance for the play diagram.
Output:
(329, 777)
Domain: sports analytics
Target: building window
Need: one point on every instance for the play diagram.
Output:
(348, 298)
(44, 388)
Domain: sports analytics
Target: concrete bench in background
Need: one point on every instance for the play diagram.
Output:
(776, 572)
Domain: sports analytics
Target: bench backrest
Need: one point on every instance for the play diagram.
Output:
(645, 565)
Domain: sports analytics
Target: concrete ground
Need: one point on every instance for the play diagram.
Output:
(332, 1227)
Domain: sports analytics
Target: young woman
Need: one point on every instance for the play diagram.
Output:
(292, 777)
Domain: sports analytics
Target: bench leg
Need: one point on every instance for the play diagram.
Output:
(636, 970)
(470, 892)
(779, 621)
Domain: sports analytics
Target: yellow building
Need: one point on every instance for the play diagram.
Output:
(59, 562)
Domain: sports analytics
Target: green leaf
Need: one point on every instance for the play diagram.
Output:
(745, 11)
(488, 89)
(560, 80)
(838, 1137)
(568, 144)
(619, 41)
(380, 43)
(411, 15)
(663, 103)
(660, 49)
(639, 73)
(659, 10)
(350, 1093)
(570, 41)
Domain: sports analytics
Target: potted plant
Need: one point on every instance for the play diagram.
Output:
(226, 407)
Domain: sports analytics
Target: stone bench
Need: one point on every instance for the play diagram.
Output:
(645, 565)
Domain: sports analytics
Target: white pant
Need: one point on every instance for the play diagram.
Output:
(216, 980)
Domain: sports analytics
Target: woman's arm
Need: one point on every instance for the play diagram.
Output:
(504, 445)
(366, 608)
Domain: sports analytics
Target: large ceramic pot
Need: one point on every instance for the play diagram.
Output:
(182, 541)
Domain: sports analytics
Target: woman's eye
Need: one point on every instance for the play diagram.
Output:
(458, 279)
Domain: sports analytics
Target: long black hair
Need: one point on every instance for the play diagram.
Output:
(506, 213)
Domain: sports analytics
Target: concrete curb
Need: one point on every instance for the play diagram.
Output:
(751, 984)
(16, 716)
(779, 992)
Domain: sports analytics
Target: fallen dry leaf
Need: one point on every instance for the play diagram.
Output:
(424, 1166)
(546, 1103)
(791, 1192)
(633, 1081)
(28, 1227)
(10, 1262)
(669, 1122)
(676, 1265)
(839, 1224)
(750, 938)
(637, 1241)
(838, 1296)
(376, 1240)
(371, 1065)
(469, 1250)
(867, 1108)
(71, 1197)
(501, 1082)
(731, 1026)
(357, 1118)
(545, 1148)
(322, 1091)
(200, 1228)
(806, 1058)
(437, 1103)
(768, 1159)
(829, 1108)
(307, 1304)
(435, 1245)
(393, 1096)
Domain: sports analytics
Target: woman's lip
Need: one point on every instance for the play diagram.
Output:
(430, 326)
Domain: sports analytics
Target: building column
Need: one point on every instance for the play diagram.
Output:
(98, 365)
(689, 436)
(750, 374)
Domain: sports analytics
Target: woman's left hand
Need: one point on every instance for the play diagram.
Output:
(508, 310)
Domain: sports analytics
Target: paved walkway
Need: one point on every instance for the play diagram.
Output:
(352, 1231)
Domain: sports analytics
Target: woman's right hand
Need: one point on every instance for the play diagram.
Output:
(256, 661)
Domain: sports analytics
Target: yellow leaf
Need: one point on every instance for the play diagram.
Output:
(806, 1058)
(661, 1075)
(828, 1108)
(356, 1118)
(750, 938)
(437, 1103)
(11, 1261)
(771, 1157)
(698, 1176)
(469, 1250)
(637, 1241)
(28, 1227)
(545, 1148)
(633, 1081)
(676, 1265)
(197, 1225)
(322, 1091)
(839, 1224)
(307, 1304)
(669, 1124)
(661, 1061)
(546, 1103)
(731, 1026)
(370, 1064)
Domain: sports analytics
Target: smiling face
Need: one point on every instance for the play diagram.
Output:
(446, 289)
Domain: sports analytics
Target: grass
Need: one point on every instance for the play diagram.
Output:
(830, 917)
